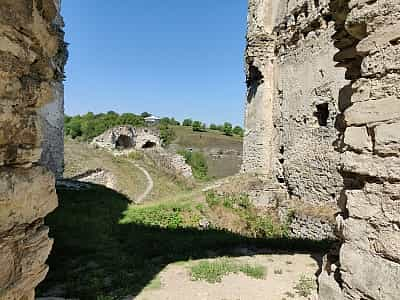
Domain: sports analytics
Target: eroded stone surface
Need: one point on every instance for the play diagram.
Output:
(323, 79)
(32, 56)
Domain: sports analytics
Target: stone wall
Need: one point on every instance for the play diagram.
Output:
(292, 110)
(322, 118)
(171, 163)
(368, 264)
(31, 71)
(126, 137)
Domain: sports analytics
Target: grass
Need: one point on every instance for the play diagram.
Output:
(305, 286)
(214, 271)
(80, 157)
(254, 222)
(105, 247)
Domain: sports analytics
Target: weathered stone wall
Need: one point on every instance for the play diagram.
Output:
(31, 41)
(332, 129)
(368, 265)
(126, 137)
(171, 163)
(292, 110)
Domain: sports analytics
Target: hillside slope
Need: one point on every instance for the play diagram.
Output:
(223, 153)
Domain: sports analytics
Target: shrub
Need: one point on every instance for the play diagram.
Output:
(198, 163)
(228, 129)
(238, 131)
(305, 286)
(167, 134)
(187, 122)
(197, 126)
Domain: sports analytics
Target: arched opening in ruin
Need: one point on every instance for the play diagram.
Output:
(149, 145)
(123, 142)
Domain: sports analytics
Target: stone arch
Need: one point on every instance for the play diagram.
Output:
(123, 142)
(149, 145)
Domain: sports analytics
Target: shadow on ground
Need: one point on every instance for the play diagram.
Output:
(94, 256)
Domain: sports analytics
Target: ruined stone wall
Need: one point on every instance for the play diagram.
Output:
(332, 131)
(293, 104)
(368, 265)
(31, 69)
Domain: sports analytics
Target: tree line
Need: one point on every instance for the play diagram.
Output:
(226, 128)
(90, 125)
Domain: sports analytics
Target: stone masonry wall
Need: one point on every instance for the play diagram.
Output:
(293, 97)
(368, 265)
(328, 125)
(31, 71)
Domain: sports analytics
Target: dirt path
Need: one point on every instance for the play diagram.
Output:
(150, 183)
(283, 274)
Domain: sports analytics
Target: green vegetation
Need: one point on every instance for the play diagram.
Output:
(167, 134)
(90, 125)
(255, 224)
(187, 122)
(108, 248)
(214, 271)
(198, 163)
(165, 215)
(305, 286)
(228, 129)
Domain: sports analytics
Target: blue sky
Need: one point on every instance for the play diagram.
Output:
(181, 58)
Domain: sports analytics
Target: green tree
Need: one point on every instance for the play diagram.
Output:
(167, 134)
(213, 127)
(187, 122)
(74, 127)
(228, 129)
(196, 126)
(238, 131)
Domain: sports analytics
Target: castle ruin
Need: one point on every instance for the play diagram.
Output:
(322, 120)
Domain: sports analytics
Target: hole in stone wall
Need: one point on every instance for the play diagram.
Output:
(316, 3)
(322, 114)
(395, 42)
(123, 142)
(149, 145)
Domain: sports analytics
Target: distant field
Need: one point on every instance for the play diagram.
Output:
(224, 153)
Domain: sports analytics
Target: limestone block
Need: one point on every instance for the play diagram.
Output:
(25, 196)
(367, 112)
(367, 276)
(379, 38)
(30, 248)
(367, 165)
(387, 139)
(358, 139)
(360, 205)
(383, 61)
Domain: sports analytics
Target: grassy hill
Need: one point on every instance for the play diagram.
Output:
(223, 153)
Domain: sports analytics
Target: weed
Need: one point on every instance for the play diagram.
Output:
(135, 155)
(305, 286)
(214, 271)
(278, 271)
(212, 199)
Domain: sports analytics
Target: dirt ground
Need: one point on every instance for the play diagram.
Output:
(283, 274)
